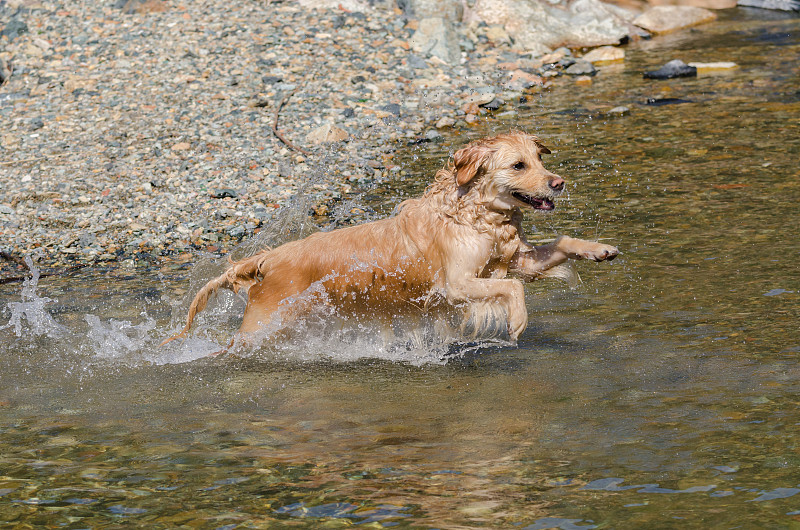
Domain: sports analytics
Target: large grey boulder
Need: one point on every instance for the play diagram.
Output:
(437, 37)
(538, 27)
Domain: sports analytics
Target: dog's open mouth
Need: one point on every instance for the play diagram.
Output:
(536, 202)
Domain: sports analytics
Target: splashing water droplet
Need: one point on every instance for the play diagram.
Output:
(30, 315)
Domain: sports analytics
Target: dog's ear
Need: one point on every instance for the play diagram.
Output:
(543, 148)
(469, 162)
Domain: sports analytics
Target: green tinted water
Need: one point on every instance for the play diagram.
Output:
(662, 393)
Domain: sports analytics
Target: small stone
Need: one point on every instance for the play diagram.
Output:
(432, 134)
(181, 146)
(14, 29)
(583, 80)
(445, 122)
(327, 133)
(493, 104)
(224, 193)
(521, 80)
(618, 111)
(497, 34)
(236, 231)
(5, 71)
(581, 67)
(481, 98)
(416, 62)
(556, 55)
(673, 69)
(392, 108)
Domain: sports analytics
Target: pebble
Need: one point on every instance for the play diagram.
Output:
(581, 67)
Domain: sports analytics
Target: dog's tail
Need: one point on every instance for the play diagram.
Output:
(239, 274)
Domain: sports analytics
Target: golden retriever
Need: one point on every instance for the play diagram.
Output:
(451, 249)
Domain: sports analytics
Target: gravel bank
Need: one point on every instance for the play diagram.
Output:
(143, 130)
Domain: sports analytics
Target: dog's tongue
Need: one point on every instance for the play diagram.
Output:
(544, 204)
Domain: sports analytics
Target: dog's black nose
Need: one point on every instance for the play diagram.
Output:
(556, 184)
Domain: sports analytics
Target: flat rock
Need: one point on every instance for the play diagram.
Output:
(663, 19)
(605, 54)
(711, 67)
(581, 67)
(673, 69)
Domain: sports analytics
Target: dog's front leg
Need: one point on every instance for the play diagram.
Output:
(534, 263)
(481, 293)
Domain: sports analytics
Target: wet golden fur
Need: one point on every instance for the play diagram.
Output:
(453, 249)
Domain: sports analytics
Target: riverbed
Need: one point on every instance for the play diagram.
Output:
(659, 393)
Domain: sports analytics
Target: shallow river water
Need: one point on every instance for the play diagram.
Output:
(661, 393)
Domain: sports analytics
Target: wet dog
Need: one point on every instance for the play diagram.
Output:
(451, 250)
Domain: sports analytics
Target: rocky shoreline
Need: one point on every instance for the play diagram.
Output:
(144, 130)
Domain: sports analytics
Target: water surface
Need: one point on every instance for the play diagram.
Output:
(661, 393)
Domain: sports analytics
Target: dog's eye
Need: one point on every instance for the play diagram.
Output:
(519, 166)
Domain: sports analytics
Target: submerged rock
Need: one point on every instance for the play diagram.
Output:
(663, 19)
(660, 102)
(674, 68)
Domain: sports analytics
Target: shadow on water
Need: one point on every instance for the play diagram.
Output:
(661, 393)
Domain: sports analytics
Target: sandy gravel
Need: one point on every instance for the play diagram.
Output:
(142, 131)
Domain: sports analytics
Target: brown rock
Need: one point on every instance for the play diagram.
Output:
(605, 54)
(663, 19)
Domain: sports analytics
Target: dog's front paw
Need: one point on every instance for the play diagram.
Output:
(600, 252)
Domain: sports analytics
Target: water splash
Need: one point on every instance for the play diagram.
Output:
(30, 315)
(118, 339)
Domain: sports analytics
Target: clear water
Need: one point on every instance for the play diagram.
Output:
(662, 393)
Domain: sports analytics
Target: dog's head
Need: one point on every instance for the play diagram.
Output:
(507, 171)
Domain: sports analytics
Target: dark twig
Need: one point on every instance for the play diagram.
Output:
(275, 130)
(34, 159)
(19, 261)
(14, 259)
